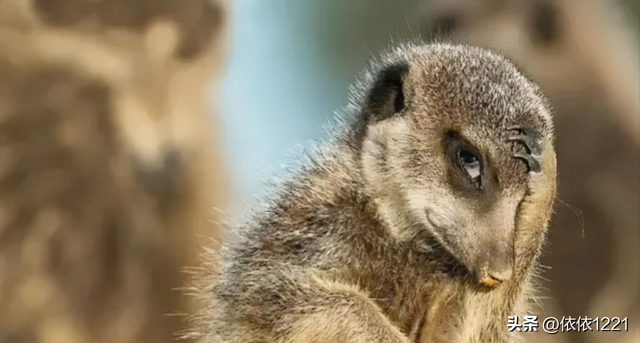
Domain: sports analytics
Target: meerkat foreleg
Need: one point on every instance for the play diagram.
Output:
(345, 315)
(536, 207)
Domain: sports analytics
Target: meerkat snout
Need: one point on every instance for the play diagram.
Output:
(490, 259)
(496, 262)
(498, 269)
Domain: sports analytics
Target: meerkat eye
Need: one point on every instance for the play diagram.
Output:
(471, 164)
(466, 168)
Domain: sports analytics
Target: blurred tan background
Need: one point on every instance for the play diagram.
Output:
(125, 123)
(108, 168)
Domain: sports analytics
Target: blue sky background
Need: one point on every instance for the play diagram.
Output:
(288, 71)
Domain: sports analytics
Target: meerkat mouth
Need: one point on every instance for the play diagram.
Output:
(433, 225)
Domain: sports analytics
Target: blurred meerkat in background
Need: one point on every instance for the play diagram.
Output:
(108, 170)
(585, 56)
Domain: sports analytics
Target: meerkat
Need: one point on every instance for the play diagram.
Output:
(420, 221)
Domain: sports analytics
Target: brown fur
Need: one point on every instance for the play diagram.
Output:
(343, 251)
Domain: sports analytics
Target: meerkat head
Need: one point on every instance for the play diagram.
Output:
(437, 150)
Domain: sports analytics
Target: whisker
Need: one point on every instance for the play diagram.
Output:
(578, 214)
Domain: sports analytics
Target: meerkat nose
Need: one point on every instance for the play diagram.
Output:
(502, 275)
(489, 281)
(494, 278)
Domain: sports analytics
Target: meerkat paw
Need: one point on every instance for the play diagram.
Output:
(539, 155)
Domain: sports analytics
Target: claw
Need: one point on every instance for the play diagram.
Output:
(532, 161)
(531, 139)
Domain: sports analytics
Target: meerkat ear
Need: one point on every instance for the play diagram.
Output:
(386, 97)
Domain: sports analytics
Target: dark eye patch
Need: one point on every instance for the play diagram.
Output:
(467, 169)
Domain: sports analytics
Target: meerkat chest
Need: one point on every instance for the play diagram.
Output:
(458, 315)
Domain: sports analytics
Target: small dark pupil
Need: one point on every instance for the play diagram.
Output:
(467, 157)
